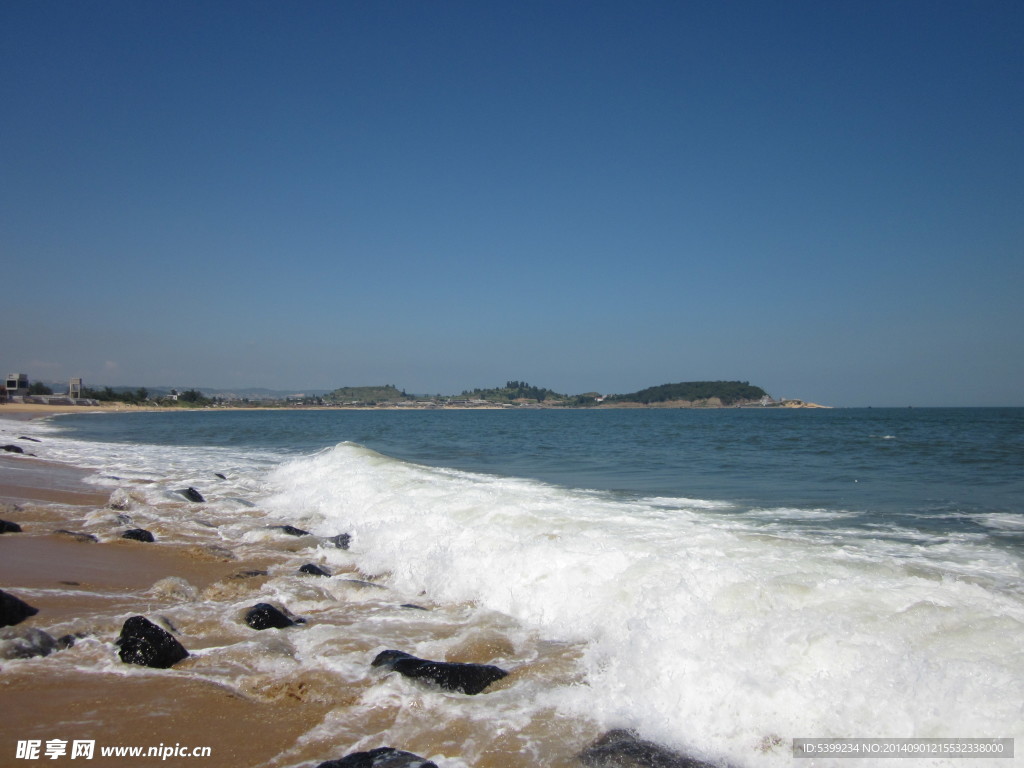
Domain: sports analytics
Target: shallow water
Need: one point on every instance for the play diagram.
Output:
(722, 580)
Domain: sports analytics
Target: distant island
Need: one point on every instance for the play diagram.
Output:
(521, 394)
(515, 394)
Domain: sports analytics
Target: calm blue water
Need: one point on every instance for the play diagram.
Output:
(931, 469)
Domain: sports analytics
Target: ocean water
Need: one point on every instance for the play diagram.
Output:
(721, 581)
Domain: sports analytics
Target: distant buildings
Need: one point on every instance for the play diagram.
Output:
(16, 384)
(16, 389)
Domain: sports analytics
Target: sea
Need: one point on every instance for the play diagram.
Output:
(719, 581)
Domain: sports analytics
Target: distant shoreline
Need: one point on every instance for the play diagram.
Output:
(26, 411)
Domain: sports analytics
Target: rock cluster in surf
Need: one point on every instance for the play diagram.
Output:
(143, 642)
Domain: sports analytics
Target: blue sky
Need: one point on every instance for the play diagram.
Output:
(823, 198)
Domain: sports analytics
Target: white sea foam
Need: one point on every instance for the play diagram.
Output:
(672, 502)
(707, 626)
(792, 513)
(1003, 521)
(706, 636)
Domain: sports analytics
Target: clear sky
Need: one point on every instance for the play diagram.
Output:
(823, 198)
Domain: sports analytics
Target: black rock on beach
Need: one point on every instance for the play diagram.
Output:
(341, 541)
(625, 749)
(14, 610)
(382, 757)
(453, 676)
(266, 616)
(138, 534)
(144, 643)
(7, 526)
(192, 494)
(25, 643)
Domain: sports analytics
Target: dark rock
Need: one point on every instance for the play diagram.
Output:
(192, 494)
(144, 643)
(314, 570)
(13, 610)
(30, 439)
(12, 448)
(67, 641)
(413, 606)
(25, 642)
(341, 541)
(291, 530)
(138, 534)
(77, 536)
(266, 616)
(382, 757)
(9, 527)
(467, 678)
(249, 574)
(218, 474)
(625, 749)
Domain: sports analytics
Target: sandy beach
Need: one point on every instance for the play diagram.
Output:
(85, 589)
(222, 697)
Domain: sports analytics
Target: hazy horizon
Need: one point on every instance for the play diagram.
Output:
(823, 199)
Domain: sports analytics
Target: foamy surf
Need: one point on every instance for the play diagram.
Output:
(720, 628)
(716, 639)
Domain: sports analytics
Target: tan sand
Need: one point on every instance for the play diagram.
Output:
(87, 586)
(148, 710)
(25, 478)
(32, 410)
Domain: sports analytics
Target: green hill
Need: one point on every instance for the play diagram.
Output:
(729, 392)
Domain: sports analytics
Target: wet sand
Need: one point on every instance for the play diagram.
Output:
(86, 588)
